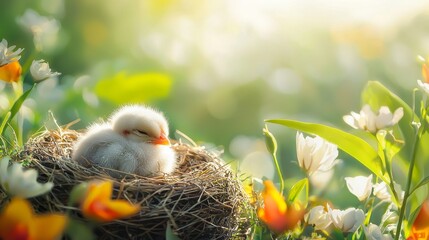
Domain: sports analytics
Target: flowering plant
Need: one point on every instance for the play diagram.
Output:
(18, 220)
(389, 140)
(12, 72)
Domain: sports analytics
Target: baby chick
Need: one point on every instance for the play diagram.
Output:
(134, 140)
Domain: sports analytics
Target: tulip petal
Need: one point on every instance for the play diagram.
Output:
(11, 72)
(16, 215)
(276, 214)
(96, 191)
(274, 197)
(120, 209)
(97, 204)
(56, 223)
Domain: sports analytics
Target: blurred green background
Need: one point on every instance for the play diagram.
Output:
(217, 69)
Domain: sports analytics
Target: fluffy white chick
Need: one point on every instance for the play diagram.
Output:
(135, 140)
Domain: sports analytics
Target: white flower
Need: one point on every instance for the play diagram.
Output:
(17, 182)
(424, 86)
(315, 154)
(44, 30)
(347, 220)
(391, 214)
(7, 55)
(390, 218)
(381, 190)
(373, 232)
(319, 218)
(40, 70)
(360, 186)
(369, 121)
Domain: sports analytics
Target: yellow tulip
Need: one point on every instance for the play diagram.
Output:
(98, 205)
(10, 72)
(18, 221)
(276, 214)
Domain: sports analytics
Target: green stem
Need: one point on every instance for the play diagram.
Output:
(388, 168)
(279, 172)
(409, 180)
(391, 182)
(271, 143)
(18, 91)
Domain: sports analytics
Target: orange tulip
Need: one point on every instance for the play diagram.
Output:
(276, 214)
(18, 222)
(98, 205)
(420, 229)
(10, 72)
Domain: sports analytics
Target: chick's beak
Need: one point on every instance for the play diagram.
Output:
(161, 140)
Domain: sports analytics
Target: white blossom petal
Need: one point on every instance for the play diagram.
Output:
(318, 217)
(8, 55)
(347, 220)
(381, 191)
(369, 121)
(40, 70)
(315, 154)
(351, 121)
(397, 115)
(18, 182)
(360, 186)
(424, 86)
(374, 232)
(44, 30)
(391, 214)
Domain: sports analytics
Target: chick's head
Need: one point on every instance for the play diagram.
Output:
(141, 124)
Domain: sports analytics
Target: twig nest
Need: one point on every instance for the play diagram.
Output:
(202, 199)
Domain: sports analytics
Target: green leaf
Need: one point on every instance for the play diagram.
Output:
(77, 193)
(297, 189)
(349, 143)
(420, 184)
(15, 107)
(5, 121)
(169, 233)
(78, 230)
(369, 212)
(136, 88)
(388, 142)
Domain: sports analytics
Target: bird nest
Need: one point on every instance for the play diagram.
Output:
(201, 199)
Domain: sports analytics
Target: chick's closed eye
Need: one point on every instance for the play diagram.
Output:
(140, 132)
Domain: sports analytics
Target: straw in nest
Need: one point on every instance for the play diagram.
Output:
(202, 199)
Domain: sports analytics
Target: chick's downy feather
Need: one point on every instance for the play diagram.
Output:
(134, 140)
